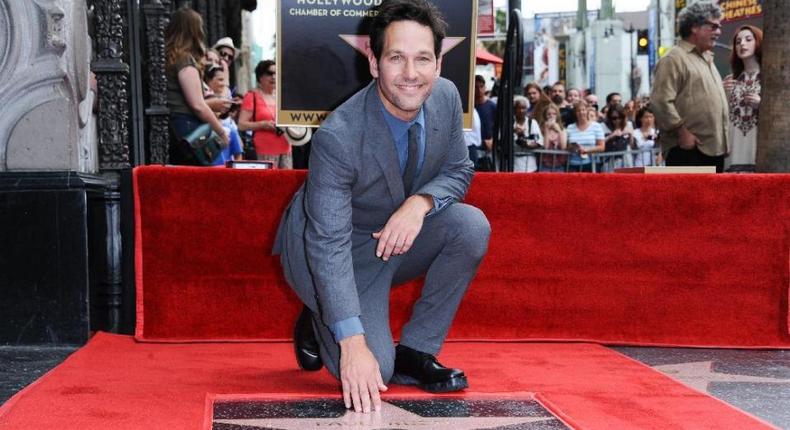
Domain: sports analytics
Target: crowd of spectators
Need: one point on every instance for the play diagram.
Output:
(200, 94)
(555, 129)
(558, 130)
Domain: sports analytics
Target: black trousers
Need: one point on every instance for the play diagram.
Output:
(678, 156)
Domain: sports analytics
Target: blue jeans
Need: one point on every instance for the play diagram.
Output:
(180, 125)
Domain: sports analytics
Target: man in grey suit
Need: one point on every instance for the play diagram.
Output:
(380, 206)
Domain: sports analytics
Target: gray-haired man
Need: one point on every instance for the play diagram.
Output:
(688, 97)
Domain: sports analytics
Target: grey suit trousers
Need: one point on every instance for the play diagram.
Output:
(447, 251)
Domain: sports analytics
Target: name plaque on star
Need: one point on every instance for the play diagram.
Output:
(468, 413)
(322, 50)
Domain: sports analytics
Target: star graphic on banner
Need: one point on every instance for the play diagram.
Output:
(390, 416)
(362, 43)
(699, 374)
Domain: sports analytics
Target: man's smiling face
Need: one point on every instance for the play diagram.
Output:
(407, 69)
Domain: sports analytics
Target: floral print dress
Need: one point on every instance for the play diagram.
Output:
(743, 123)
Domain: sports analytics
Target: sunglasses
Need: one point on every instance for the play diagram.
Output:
(226, 55)
(713, 25)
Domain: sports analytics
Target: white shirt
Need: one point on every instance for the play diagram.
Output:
(473, 137)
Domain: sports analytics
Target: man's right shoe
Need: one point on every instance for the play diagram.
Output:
(305, 344)
(418, 368)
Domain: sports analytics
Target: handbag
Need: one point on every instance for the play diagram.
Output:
(249, 143)
(203, 145)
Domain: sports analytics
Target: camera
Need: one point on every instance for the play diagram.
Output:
(234, 107)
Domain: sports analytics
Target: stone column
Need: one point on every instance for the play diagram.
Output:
(47, 120)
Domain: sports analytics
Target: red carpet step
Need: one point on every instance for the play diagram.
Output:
(681, 260)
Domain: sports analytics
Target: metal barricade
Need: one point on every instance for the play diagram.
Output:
(553, 160)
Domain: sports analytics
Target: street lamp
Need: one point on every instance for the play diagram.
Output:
(630, 32)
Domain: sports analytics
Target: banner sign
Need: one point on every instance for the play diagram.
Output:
(740, 9)
(652, 37)
(485, 18)
(322, 50)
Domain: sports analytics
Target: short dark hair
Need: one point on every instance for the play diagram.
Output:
(263, 69)
(211, 71)
(419, 11)
(641, 113)
(695, 15)
(610, 96)
(480, 78)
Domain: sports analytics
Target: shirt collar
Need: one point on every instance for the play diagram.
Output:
(690, 47)
(399, 127)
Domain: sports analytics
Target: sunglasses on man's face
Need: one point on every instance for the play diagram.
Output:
(713, 25)
(226, 55)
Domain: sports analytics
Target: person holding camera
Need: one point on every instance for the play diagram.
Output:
(527, 136)
(217, 82)
(554, 138)
(645, 137)
(618, 137)
(184, 56)
(258, 113)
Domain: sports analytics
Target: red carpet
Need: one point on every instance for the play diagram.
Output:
(116, 383)
(572, 257)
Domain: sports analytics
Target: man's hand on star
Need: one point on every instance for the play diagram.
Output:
(360, 375)
(402, 228)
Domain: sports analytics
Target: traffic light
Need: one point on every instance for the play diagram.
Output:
(642, 42)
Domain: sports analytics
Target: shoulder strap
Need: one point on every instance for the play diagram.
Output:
(254, 105)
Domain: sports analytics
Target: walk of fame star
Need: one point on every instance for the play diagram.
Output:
(362, 43)
(392, 416)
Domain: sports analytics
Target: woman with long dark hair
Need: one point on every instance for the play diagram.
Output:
(743, 94)
(184, 57)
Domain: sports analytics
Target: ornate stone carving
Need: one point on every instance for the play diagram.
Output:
(156, 19)
(159, 138)
(55, 38)
(113, 120)
(109, 29)
(112, 75)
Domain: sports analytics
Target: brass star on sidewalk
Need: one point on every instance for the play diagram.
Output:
(699, 374)
(362, 43)
(390, 416)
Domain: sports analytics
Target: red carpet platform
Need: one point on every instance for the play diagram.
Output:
(116, 383)
(681, 260)
(572, 258)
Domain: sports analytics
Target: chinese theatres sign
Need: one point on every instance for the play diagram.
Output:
(740, 9)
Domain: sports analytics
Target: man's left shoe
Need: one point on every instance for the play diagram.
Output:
(305, 344)
(413, 367)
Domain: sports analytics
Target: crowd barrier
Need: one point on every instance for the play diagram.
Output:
(553, 160)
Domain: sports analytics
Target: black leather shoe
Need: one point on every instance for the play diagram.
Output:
(413, 367)
(305, 345)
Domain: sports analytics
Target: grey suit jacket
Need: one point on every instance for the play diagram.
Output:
(353, 186)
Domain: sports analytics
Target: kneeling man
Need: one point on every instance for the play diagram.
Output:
(380, 206)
